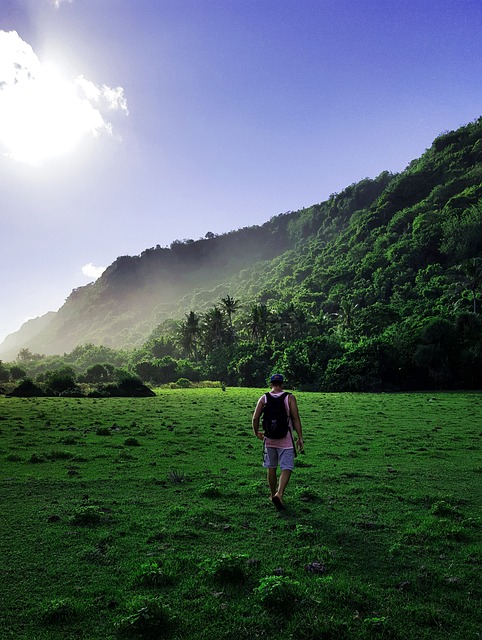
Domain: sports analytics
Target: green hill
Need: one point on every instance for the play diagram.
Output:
(379, 261)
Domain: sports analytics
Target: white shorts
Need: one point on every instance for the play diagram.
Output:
(273, 456)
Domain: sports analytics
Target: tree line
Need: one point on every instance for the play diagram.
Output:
(241, 346)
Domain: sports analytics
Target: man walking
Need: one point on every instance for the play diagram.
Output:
(279, 451)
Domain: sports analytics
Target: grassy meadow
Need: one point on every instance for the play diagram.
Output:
(150, 518)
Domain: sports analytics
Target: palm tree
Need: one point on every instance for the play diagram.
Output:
(190, 331)
(259, 318)
(214, 328)
(230, 307)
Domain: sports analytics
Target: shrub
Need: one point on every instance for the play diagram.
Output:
(134, 387)
(148, 618)
(60, 380)
(132, 442)
(184, 383)
(152, 575)
(176, 476)
(60, 455)
(59, 611)
(278, 593)
(445, 510)
(229, 567)
(304, 531)
(27, 389)
(210, 490)
(89, 516)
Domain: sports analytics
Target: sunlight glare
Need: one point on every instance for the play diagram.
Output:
(43, 115)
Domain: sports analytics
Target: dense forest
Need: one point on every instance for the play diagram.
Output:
(379, 287)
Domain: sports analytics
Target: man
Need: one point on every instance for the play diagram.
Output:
(279, 451)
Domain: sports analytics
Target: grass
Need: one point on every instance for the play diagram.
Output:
(164, 528)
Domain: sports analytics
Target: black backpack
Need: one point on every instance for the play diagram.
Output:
(275, 417)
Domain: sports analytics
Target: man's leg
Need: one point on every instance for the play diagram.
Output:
(283, 481)
(272, 481)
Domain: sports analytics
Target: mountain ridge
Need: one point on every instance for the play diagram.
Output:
(371, 241)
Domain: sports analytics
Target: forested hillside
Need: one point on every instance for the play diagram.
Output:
(378, 287)
(136, 293)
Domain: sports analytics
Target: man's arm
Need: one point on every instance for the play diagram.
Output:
(256, 416)
(296, 420)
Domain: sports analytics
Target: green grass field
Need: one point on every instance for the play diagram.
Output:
(150, 518)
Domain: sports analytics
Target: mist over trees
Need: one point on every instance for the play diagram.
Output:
(379, 287)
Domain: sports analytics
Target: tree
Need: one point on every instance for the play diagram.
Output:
(61, 379)
(190, 330)
(470, 274)
(214, 328)
(17, 373)
(4, 373)
(291, 321)
(163, 346)
(98, 373)
(149, 372)
(437, 350)
(230, 306)
(25, 355)
(258, 321)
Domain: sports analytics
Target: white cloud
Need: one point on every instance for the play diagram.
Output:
(111, 98)
(92, 272)
(43, 114)
(57, 3)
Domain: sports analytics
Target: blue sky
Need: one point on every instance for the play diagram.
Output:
(130, 123)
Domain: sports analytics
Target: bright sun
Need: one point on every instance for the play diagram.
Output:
(47, 119)
(42, 114)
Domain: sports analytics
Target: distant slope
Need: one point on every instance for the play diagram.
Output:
(27, 334)
(136, 293)
(369, 245)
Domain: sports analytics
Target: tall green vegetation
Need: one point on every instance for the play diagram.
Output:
(379, 287)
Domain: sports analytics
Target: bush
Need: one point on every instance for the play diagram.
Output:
(132, 442)
(148, 618)
(184, 383)
(88, 517)
(176, 476)
(445, 510)
(229, 567)
(60, 380)
(59, 611)
(27, 389)
(60, 455)
(278, 593)
(304, 531)
(127, 388)
(210, 490)
(152, 575)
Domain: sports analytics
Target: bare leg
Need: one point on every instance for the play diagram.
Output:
(272, 481)
(283, 481)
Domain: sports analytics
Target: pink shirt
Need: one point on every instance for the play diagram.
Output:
(287, 441)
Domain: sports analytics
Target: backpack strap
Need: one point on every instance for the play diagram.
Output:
(289, 418)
